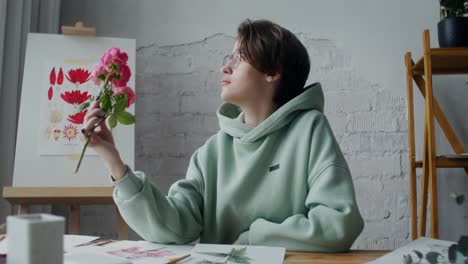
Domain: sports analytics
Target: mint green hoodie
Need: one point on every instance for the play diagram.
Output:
(282, 183)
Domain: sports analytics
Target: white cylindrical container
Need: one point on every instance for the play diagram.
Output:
(35, 238)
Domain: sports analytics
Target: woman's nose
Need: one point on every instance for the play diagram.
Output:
(226, 69)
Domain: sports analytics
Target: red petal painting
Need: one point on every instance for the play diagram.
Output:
(50, 93)
(60, 77)
(70, 132)
(75, 97)
(78, 117)
(78, 76)
(52, 76)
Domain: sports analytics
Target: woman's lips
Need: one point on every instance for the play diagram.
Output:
(224, 82)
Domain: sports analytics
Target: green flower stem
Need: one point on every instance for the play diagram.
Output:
(87, 142)
(104, 91)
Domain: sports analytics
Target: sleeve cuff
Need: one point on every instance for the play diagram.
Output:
(244, 238)
(128, 186)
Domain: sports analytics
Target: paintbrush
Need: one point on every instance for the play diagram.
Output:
(177, 259)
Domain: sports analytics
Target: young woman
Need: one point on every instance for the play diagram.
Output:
(273, 175)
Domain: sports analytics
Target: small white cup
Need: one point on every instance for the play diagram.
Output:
(35, 238)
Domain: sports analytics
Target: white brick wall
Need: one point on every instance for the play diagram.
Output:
(349, 55)
(178, 94)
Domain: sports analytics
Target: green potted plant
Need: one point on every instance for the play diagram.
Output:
(453, 26)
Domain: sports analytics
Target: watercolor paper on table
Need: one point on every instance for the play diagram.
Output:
(136, 252)
(232, 254)
(422, 245)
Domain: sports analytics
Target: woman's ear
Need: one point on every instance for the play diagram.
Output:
(272, 78)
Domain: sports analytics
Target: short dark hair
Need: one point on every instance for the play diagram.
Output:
(270, 48)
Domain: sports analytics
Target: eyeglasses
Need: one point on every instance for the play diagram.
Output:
(233, 60)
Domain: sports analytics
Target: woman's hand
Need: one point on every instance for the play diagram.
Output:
(102, 140)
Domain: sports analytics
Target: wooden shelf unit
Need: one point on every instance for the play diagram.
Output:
(435, 61)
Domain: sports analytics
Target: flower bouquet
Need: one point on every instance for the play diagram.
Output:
(111, 75)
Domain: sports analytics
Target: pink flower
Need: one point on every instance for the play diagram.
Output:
(131, 97)
(99, 73)
(115, 56)
(121, 77)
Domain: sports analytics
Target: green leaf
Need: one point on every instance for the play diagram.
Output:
(214, 254)
(459, 198)
(463, 245)
(83, 106)
(407, 259)
(452, 253)
(419, 254)
(120, 103)
(106, 103)
(125, 118)
(432, 257)
(112, 121)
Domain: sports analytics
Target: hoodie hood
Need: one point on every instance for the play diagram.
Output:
(231, 117)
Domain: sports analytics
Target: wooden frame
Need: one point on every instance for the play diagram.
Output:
(435, 61)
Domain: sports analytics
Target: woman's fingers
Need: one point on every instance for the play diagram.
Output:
(96, 112)
(92, 110)
(87, 125)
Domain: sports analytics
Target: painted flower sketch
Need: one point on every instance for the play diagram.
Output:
(234, 256)
(69, 90)
(67, 86)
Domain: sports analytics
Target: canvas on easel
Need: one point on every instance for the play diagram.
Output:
(56, 80)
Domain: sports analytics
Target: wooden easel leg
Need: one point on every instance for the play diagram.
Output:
(424, 187)
(23, 209)
(431, 136)
(74, 218)
(412, 156)
(122, 227)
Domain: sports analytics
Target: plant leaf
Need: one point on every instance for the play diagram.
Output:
(419, 254)
(452, 253)
(407, 259)
(463, 245)
(112, 121)
(83, 106)
(106, 103)
(432, 257)
(125, 118)
(120, 103)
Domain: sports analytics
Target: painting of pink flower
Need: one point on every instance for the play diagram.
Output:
(78, 76)
(52, 76)
(70, 132)
(78, 117)
(60, 77)
(75, 97)
(50, 93)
